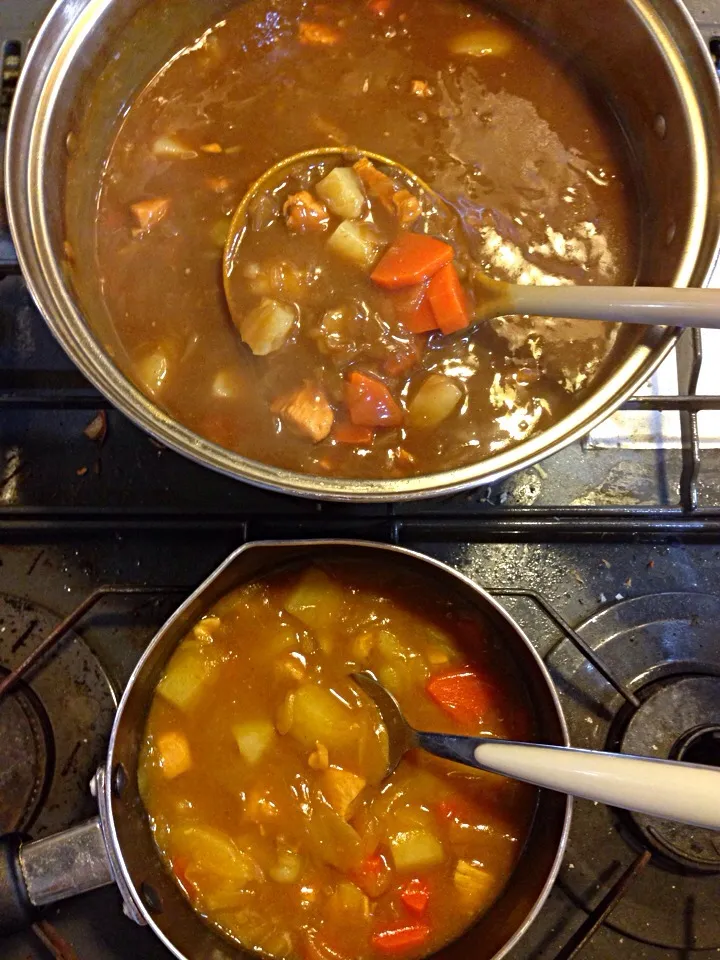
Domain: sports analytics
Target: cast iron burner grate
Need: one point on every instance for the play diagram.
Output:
(641, 676)
(663, 650)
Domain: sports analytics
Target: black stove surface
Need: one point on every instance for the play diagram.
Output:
(624, 544)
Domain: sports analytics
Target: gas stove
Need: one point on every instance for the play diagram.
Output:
(608, 554)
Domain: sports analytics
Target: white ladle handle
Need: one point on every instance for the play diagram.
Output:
(665, 306)
(662, 788)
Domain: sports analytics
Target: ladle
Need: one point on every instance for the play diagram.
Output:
(670, 789)
(658, 306)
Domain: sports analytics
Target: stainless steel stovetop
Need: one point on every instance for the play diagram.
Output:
(622, 543)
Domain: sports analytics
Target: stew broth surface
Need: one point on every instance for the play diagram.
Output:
(262, 769)
(478, 108)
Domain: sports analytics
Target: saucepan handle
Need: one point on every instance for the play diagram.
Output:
(40, 872)
(686, 792)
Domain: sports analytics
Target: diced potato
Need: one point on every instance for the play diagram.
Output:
(318, 34)
(342, 191)
(318, 715)
(416, 850)
(475, 885)
(226, 897)
(152, 371)
(267, 327)
(341, 788)
(307, 411)
(319, 759)
(212, 852)
(253, 739)
(174, 752)
(492, 41)
(286, 868)
(437, 398)
(437, 656)
(219, 232)
(170, 148)
(185, 676)
(260, 929)
(228, 384)
(211, 148)
(357, 242)
(316, 600)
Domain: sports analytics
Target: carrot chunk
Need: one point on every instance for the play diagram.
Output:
(380, 8)
(370, 402)
(398, 939)
(352, 433)
(373, 875)
(174, 752)
(413, 310)
(461, 694)
(412, 258)
(448, 301)
(415, 895)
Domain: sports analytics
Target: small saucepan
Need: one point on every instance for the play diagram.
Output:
(117, 846)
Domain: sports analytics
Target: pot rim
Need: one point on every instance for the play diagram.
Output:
(125, 881)
(54, 50)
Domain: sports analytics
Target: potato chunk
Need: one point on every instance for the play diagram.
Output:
(357, 242)
(266, 328)
(342, 191)
(148, 213)
(307, 411)
(320, 716)
(253, 739)
(436, 399)
(416, 850)
(185, 677)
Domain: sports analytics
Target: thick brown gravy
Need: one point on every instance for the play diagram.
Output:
(475, 105)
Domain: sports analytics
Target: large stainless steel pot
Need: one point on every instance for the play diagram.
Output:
(118, 846)
(644, 57)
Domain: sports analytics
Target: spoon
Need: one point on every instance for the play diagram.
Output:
(650, 306)
(686, 792)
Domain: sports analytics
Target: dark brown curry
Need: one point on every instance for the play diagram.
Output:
(476, 107)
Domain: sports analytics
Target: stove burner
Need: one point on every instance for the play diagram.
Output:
(700, 746)
(666, 649)
(26, 759)
(676, 717)
(54, 727)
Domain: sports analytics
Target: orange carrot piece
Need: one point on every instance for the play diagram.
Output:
(352, 433)
(416, 896)
(318, 34)
(456, 808)
(174, 751)
(412, 258)
(380, 8)
(370, 402)
(461, 694)
(448, 301)
(399, 939)
(413, 310)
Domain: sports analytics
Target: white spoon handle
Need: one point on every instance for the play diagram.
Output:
(662, 788)
(663, 306)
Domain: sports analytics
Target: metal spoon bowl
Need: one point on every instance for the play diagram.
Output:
(649, 306)
(686, 792)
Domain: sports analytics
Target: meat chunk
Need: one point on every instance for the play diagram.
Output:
(307, 411)
(397, 201)
(304, 214)
(148, 213)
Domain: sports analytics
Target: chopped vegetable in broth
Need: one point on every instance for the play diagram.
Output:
(340, 345)
(263, 767)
